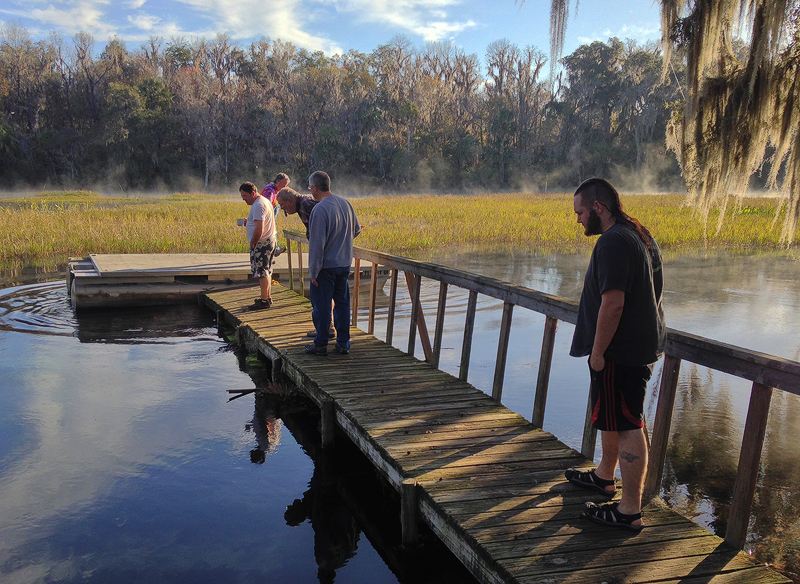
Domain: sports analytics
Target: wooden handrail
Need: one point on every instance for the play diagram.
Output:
(767, 372)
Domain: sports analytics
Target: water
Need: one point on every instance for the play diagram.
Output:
(122, 460)
(752, 302)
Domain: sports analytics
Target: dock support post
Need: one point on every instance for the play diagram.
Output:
(409, 517)
(327, 423)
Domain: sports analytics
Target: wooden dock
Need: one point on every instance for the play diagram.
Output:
(117, 280)
(487, 482)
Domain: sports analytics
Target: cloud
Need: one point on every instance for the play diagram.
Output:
(628, 31)
(144, 21)
(426, 18)
(71, 16)
(245, 19)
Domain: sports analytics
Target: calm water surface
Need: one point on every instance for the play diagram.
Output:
(122, 460)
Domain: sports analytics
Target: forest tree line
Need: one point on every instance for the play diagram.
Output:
(195, 114)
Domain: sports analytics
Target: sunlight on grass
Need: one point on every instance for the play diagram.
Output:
(52, 226)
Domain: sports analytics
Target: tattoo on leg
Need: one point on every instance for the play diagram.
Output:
(627, 456)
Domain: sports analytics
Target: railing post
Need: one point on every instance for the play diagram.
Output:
(414, 288)
(373, 292)
(543, 378)
(439, 330)
(502, 352)
(300, 268)
(289, 259)
(415, 285)
(661, 427)
(392, 306)
(469, 325)
(356, 285)
(755, 428)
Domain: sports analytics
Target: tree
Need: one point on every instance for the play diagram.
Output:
(738, 114)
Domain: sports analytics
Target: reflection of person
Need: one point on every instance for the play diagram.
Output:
(332, 227)
(336, 532)
(262, 238)
(621, 327)
(267, 428)
(293, 202)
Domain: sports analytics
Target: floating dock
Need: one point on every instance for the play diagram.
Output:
(487, 482)
(118, 280)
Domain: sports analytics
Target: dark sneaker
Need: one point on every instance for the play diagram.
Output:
(279, 251)
(342, 349)
(258, 304)
(314, 349)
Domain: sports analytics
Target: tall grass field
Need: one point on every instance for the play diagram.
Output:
(48, 228)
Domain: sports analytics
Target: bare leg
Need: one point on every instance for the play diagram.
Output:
(608, 463)
(266, 287)
(633, 466)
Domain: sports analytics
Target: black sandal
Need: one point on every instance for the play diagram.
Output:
(608, 515)
(589, 480)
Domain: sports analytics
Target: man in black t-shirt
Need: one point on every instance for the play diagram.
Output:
(621, 328)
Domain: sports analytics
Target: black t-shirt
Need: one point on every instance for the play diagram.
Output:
(621, 261)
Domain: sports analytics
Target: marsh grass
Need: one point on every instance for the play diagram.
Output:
(46, 229)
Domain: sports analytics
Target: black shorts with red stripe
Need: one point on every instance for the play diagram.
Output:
(618, 393)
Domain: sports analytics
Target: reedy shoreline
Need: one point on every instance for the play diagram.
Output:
(46, 229)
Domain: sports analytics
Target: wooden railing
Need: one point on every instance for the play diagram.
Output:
(765, 371)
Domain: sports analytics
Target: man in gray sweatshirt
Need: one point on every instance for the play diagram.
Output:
(331, 229)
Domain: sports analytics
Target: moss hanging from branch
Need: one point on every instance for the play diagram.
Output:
(738, 114)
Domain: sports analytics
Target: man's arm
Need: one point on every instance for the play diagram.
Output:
(257, 233)
(607, 322)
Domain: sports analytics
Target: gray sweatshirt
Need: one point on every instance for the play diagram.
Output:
(332, 227)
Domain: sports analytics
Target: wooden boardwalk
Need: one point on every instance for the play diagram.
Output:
(486, 482)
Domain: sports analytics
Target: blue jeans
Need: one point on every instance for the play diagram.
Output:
(331, 285)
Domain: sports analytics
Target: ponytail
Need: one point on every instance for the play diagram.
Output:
(598, 189)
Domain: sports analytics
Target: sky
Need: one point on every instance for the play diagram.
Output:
(336, 26)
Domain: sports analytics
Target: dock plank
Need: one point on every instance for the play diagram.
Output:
(491, 485)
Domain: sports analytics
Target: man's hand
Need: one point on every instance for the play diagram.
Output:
(314, 281)
(597, 362)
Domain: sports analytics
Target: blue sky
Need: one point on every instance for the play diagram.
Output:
(336, 26)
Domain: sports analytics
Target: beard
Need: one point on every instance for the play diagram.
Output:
(593, 225)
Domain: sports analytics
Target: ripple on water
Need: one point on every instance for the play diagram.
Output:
(42, 309)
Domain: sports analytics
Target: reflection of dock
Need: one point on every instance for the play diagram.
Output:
(114, 280)
(486, 481)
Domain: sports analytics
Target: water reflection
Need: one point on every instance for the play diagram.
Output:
(121, 460)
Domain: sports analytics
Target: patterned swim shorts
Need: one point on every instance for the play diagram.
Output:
(261, 258)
